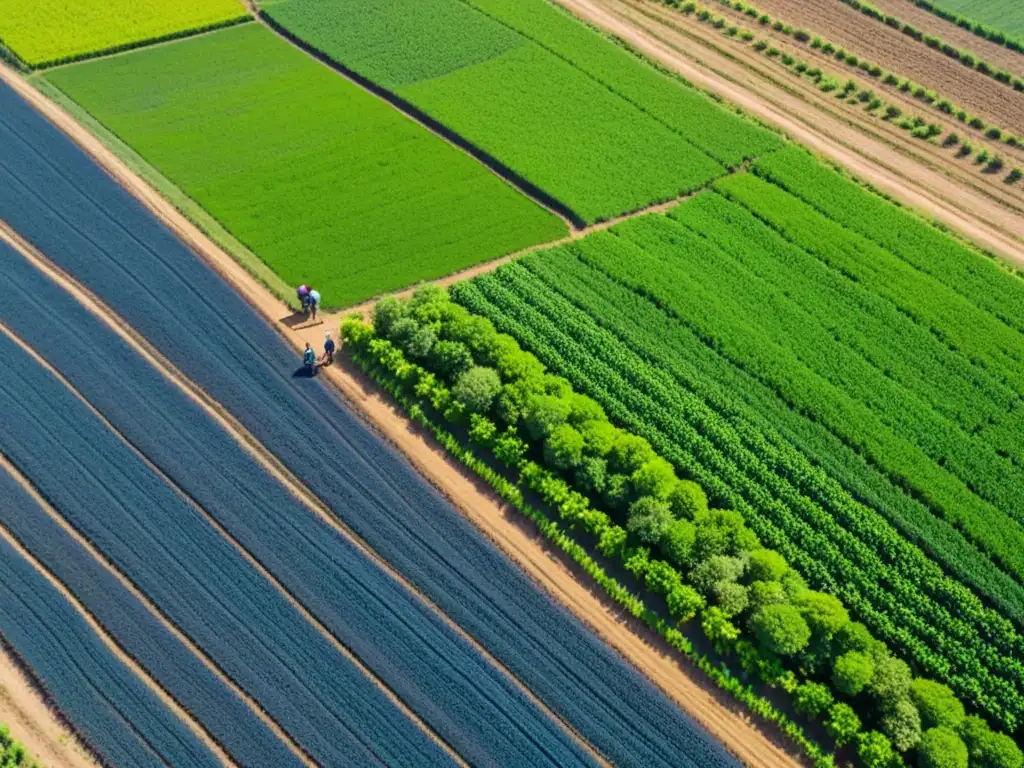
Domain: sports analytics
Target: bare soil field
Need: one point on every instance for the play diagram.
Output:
(719, 714)
(892, 50)
(941, 190)
(995, 54)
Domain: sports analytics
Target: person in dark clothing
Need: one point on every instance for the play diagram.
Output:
(328, 357)
(309, 359)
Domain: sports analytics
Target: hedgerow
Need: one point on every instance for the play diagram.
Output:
(709, 562)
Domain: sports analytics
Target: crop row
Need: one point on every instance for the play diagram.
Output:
(966, 58)
(142, 636)
(409, 385)
(562, 107)
(121, 719)
(209, 333)
(736, 476)
(45, 33)
(376, 205)
(992, 34)
(705, 550)
(197, 579)
(393, 633)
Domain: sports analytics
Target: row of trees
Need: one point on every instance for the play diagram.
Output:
(708, 556)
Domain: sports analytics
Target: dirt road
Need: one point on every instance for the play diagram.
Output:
(720, 715)
(928, 191)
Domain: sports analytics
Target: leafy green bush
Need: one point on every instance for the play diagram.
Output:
(780, 629)
(938, 706)
(941, 748)
(852, 672)
(477, 388)
(563, 448)
(649, 519)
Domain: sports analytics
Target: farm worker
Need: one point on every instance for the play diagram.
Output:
(309, 358)
(314, 302)
(303, 293)
(328, 357)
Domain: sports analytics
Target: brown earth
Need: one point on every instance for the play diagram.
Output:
(34, 723)
(869, 38)
(930, 153)
(780, 99)
(998, 55)
(721, 715)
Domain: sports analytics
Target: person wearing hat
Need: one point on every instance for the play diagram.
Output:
(303, 293)
(328, 357)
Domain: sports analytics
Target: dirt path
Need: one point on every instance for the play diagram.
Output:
(718, 713)
(928, 191)
(868, 38)
(767, 77)
(34, 723)
(119, 653)
(275, 469)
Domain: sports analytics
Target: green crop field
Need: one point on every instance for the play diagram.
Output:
(44, 32)
(327, 184)
(1004, 15)
(569, 111)
(847, 377)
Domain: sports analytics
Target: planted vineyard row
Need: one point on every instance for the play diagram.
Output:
(214, 337)
(568, 111)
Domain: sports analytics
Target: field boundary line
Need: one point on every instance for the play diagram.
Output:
(411, 112)
(129, 585)
(281, 474)
(105, 636)
(483, 509)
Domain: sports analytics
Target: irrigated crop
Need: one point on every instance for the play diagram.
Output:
(47, 32)
(326, 183)
(211, 335)
(568, 111)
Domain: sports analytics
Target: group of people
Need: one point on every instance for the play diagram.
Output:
(310, 300)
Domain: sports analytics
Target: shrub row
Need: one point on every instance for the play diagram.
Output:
(965, 57)
(419, 393)
(905, 85)
(13, 754)
(710, 556)
(986, 33)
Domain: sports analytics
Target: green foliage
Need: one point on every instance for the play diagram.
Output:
(842, 723)
(291, 119)
(477, 388)
(780, 629)
(938, 705)
(941, 748)
(875, 751)
(449, 358)
(386, 313)
(854, 636)
(987, 749)
(824, 613)
(764, 593)
(891, 681)
(630, 452)
(688, 499)
(719, 569)
(544, 413)
(655, 478)
(852, 672)
(677, 543)
(901, 722)
(684, 603)
(598, 436)
(649, 519)
(812, 699)
(722, 532)
(617, 491)
(766, 565)
(563, 448)
(592, 475)
(731, 597)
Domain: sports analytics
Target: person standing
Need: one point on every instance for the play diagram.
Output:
(303, 293)
(314, 302)
(328, 357)
(309, 359)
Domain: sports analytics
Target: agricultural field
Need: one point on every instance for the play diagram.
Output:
(352, 661)
(327, 184)
(43, 33)
(840, 373)
(583, 120)
(1002, 15)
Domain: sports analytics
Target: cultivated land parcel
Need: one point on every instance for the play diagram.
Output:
(46, 32)
(576, 116)
(324, 182)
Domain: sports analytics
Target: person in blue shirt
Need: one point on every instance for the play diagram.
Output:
(313, 303)
(309, 359)
(328, 356)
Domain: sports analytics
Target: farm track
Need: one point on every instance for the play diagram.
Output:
(197, 728)
(719, 713)
(980, 218)
(272, 467)
(930, 154)
(879, 43)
